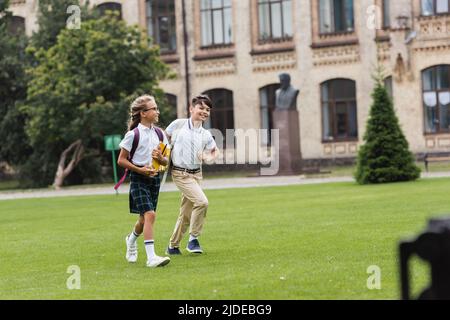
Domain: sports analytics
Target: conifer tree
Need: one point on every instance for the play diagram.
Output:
(385, 155)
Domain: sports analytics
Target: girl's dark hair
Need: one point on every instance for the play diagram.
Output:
(202, 99)
(136, 107)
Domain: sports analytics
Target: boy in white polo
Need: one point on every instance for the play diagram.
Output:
(191, 145)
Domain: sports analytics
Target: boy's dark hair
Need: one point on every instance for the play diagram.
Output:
(202, 99)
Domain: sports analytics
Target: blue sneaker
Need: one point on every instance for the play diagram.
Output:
(173, 251)
(194, 246)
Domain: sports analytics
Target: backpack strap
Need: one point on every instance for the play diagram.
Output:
(160, 134)
(130, 157)
(135, 143)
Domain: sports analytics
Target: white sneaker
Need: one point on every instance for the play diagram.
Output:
(132, 253)
(158, 261)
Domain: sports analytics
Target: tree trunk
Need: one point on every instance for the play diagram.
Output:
(63, 171)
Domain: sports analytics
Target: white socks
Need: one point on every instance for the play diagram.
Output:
(133, 237)
(191, 237)
(150, 249)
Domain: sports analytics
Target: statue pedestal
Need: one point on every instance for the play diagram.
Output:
(286, 121)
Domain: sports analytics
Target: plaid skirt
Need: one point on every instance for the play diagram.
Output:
(144, 192)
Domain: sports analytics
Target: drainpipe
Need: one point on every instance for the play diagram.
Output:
(186, 59)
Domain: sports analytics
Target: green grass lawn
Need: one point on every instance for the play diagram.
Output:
(295, 242)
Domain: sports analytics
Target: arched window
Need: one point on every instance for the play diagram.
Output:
(267, 106)
(16, 25)
(171, 114)
(436, 98)
(339, 118)
(222, 114)
(161, 25)
(110, 6)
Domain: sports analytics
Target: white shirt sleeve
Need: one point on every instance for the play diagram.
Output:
(210, 143)
(173, 126)
(127, 141)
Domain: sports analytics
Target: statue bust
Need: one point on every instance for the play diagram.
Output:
(286, 96)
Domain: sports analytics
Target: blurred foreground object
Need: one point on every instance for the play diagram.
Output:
(433, 246)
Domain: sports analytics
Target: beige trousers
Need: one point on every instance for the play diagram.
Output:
(194, 205)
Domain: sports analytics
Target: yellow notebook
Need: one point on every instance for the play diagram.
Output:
(165, 150)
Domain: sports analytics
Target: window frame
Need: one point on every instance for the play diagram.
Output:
(343, 16)
(388, 83)
(282, 17)
(16, 28)
(104, 4)
(211, 26)
(331, 104)
(172, 103)
(434, 9)
(154, 18)
(386, 14)
(270, 108)
(436, 91)
(218, 114)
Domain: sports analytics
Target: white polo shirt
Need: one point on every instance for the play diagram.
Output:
(188, 143)
(148, 141)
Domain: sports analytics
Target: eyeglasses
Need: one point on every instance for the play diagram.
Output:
(145, 110)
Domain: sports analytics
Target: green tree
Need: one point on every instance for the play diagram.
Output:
(14, 148)
(80, 91)
(385, 155)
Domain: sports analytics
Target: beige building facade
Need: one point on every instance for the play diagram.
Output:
(235, 50)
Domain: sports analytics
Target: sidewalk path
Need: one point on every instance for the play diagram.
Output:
(224, 183)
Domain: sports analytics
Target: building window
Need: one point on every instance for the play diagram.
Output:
(336, 16)
(171, 113)
(435, 7)
(161, 25)
(16, 25)
(386, 14)
(388, 86)
(216, 22)
(436, 98)
(267, 103)
(110, 6)
(339, 117)
(222, 114)
(275, 19)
